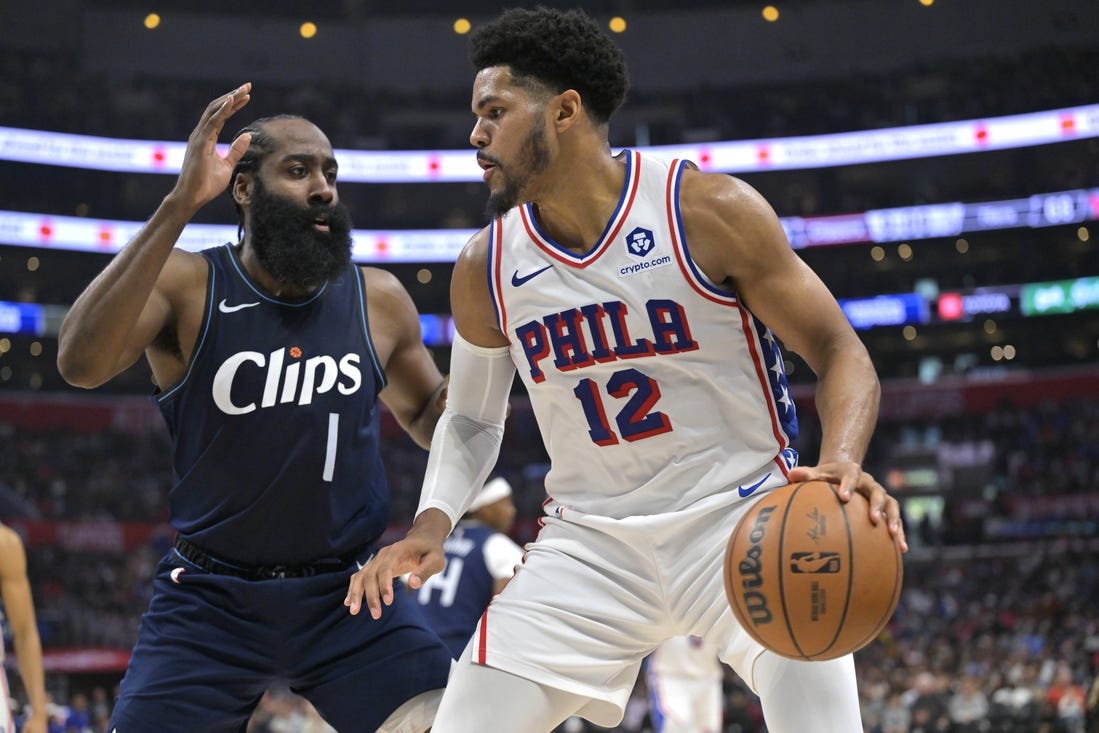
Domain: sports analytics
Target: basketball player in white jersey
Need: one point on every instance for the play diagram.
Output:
(640, 302)
(684, 679)
(18, 606)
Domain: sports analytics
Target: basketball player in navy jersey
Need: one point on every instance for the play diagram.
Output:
(641, 302)
(480, 560)
(18, 606)
(272, 359)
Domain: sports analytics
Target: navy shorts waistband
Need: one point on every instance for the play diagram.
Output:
(222, 566)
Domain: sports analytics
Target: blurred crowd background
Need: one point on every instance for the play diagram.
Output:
(995, 458)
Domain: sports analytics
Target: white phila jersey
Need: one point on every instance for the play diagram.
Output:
(653, 387)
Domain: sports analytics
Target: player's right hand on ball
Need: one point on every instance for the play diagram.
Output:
(420, 554)
(848, 476)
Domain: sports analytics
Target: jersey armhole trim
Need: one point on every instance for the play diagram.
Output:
(200, 345)
(493, 263)
(364, 326)
(694, 276)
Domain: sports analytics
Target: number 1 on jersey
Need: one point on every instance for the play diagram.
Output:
(635, 420)
(330, 446)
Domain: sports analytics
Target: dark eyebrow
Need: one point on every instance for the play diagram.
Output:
(327, 161)
(487, 100)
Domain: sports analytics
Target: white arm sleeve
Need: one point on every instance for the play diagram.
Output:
(466, 442)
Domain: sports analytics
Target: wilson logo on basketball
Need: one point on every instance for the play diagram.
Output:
(750, 566)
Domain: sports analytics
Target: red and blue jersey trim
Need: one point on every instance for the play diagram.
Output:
(766, 356)
(494, 263)
(767, 360)
(610, 232)
(690, 270)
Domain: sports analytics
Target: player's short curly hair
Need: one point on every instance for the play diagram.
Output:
(560, 50)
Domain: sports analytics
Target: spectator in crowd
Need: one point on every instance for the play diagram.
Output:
(79, 718)
(968, 706)
(1067, 698)
(896, 717)
(928, 704)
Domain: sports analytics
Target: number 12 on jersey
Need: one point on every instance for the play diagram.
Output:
(636, 420)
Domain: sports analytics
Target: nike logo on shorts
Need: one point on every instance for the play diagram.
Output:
(516, 281)
(224, 307)
(746, 491)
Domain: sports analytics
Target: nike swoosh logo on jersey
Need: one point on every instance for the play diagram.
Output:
(226, 308)
(516, 281)
(745, 491)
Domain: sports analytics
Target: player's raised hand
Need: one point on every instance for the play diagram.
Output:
(848, 476)
(420, 554)
(205, 174)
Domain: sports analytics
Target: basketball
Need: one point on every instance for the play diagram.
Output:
(810, 577)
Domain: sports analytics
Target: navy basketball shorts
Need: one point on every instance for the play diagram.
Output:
(210, 645)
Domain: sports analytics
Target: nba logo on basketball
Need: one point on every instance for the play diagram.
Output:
(814, 562)
(639, 242)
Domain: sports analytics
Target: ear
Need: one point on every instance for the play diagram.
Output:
(568, 108)
(242, 188)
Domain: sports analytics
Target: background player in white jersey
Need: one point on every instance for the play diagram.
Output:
(636, 298)
(684, 679)
(18, 606)
(480, 560)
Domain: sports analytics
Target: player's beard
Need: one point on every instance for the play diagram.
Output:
(534, 160)
(289, 246)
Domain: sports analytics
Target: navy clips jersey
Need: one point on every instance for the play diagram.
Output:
(275, 426)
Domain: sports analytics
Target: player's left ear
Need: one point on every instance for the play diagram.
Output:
(569, 107)
(242, 188)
